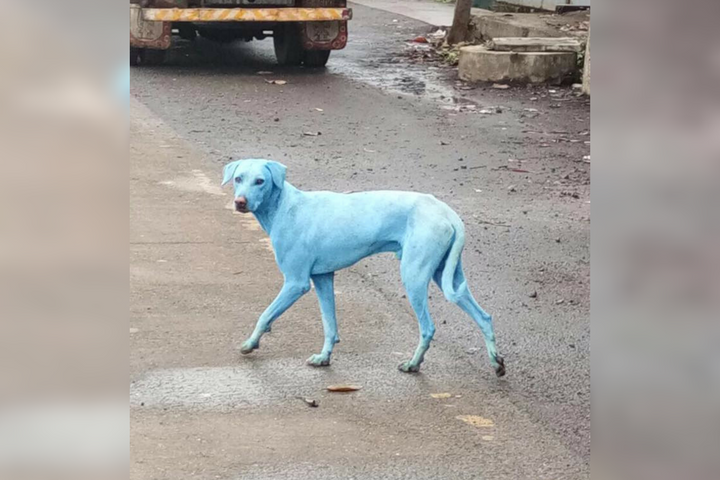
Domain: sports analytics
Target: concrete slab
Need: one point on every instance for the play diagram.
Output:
(477, 63)
(486, 27)
(534, 44)
(428, 11)
(586, 69)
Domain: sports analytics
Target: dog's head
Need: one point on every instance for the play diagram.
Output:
(254, 181)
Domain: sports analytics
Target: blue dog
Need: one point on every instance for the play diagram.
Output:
(314, 234)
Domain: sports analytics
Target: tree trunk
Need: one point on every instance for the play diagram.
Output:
(461, 22)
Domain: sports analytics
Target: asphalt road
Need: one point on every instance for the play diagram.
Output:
(385, 117)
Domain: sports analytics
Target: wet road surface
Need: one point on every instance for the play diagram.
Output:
(510, 162)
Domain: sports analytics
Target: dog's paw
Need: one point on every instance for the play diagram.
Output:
(500, 367)
(248, 346)
(409, 367)
(318, 360)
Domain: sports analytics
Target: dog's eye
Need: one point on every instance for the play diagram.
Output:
(238, 179)
(259, 181)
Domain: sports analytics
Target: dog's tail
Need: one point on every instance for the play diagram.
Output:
(453, 279)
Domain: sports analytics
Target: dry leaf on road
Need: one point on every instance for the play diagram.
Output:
(344, 388)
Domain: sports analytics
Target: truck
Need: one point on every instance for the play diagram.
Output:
(304, 32)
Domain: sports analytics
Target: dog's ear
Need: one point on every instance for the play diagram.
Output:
(229, 171)
(277, 171)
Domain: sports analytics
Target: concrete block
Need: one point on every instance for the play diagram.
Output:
(586, 68)
(486, 27)
(478, 64)
(535, 44)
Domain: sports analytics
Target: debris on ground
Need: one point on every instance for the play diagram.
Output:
(263, 72)
(310, 402)
(343, 388)
(476, 421)
(533, 294)
(500, 86)
(312, 134)
(441, 395)
(276, 82)
(451, 53)
(439, 35)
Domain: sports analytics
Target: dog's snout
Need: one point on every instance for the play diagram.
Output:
(241, 203)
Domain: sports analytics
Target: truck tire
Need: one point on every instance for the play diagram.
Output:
(316, 58)
(288, 45)
(146, 56)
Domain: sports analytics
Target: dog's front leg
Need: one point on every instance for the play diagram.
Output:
(326, 295)
(290, 293)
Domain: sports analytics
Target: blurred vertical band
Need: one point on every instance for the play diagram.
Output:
(63, 239)
(656, 239)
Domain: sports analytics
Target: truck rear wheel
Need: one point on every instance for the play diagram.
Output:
(288, 45)
(316, 58)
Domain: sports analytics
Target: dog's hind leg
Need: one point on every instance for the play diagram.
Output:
(326, 296)
(465, 300)
(289, 294)
(416, 270)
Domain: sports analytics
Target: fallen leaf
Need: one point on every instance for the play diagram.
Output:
(476, 421)
(441, 395)
(420, 39)
(343, 388)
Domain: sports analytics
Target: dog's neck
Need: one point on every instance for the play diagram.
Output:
(271, 206)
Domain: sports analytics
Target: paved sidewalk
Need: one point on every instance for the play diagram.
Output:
(428, 11)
